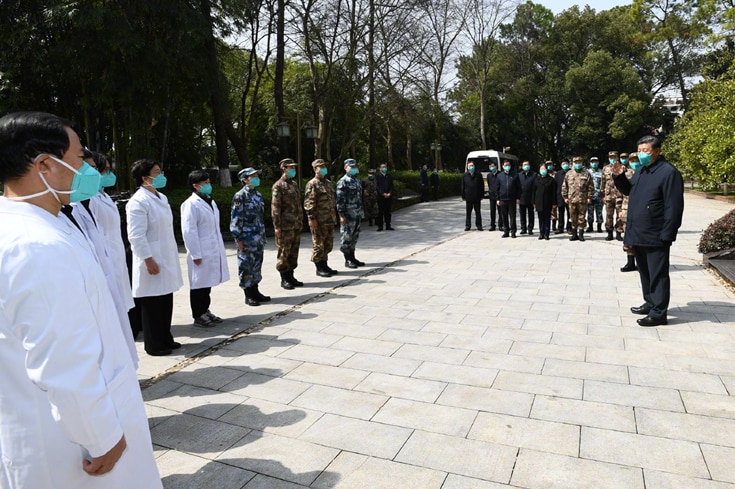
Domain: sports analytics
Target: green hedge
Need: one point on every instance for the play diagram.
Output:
(449, 183)
(720, 235)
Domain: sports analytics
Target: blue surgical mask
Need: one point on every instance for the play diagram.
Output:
(471, 169)
(506, 169)
(634, 165)
(384, 170)
(84, 185)
(353, 171)
(612, 160)
(159, 181)
(578, 166)
(255, 182)
(623, 161)
(543, 172)
(594, 165)
(526, 167)
(323, 171)
(565, 167)
(206, 189)
(644, 158)
(493, 169)
(108, 180)
(550, 167)
(291, 172)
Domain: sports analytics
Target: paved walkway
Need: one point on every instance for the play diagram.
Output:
(455, 360)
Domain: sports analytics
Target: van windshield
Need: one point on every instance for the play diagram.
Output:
(482, 164)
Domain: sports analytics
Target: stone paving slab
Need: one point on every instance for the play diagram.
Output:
(454, 360)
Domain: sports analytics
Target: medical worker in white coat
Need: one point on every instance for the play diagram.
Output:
(107, 215)
(156, 268)
(90, 224)
(71, 411)
(205, 250)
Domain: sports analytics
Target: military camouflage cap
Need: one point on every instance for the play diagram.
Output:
(246, 172)
(612, 153)
(286, 163)
(318, 163)
(623, 155)
(594, 158)
(350, 162)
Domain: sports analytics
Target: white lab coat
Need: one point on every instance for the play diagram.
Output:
(69, 390)
(92, 232)
(151, 234)
(108, 221)
(203, 240)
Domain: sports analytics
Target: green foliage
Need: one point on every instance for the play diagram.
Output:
(720, 235)
(702, 145)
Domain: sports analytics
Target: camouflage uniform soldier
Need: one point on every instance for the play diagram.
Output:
(247, 226)
(370, 196)
(349, 208)
(610, 195)
(634, 165)
(595, 206)
(320, 204)
(577, 191)
(286, 210)
(620, 224)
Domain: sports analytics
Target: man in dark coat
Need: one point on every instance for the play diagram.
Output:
(492, 183)
(384, 185)
(472, 190)
(526, 180)
(561, 206)
(655, 208)
(508, 190)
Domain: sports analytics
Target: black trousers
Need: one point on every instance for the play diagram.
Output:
(494, 210)
(434, 193)
(384, 211)
(526, 217)
(469, 206)
(200, 300)
(155, 318)
(561, 208)
(653, 268)
(508, 215)
(544, 221)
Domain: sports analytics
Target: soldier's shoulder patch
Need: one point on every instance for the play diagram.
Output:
(237, 200)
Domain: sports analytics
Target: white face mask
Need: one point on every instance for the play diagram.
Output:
(49, 189)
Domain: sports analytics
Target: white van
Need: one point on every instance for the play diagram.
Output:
(482, 160)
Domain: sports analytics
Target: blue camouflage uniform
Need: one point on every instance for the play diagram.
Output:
(595, 205)
(349, 205)
(247, 225)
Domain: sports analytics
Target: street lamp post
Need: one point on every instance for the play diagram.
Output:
(436, 148)
(311, 134)
(283, 131)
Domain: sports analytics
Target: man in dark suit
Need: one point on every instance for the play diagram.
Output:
(655, 208)
(384, 185)
(472, 190)
(526, 180)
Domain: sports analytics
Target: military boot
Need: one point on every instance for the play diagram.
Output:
(293, 281)
(285, 282)
(356, 261)
(609, 236)
(581, 234)
(575, 236)
(618, 236)
(348, 261)
(320, 271)
(589, 227)
(327, 268)
(630, 266)
(250, 299)
(259, 296)
(599, 227)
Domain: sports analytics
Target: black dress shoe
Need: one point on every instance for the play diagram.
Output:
(480, 228)
(466, 229)
(505, 235)
(175, 345)
(642, 310)
(388, 228)
(159, 353)
(649, 321)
